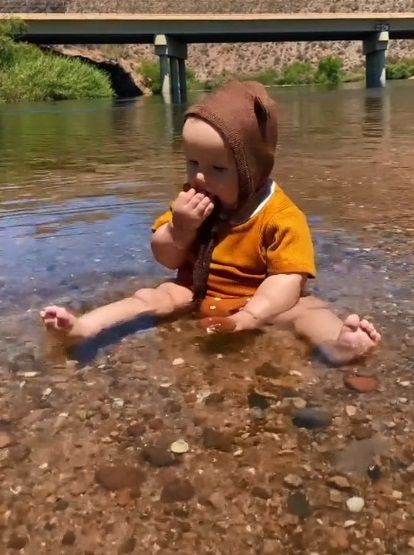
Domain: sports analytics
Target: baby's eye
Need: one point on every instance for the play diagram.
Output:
(219, 168)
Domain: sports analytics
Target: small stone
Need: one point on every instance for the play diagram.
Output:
(18, 453)
(337, 538)
(69, 537)
(17, 541)
(374, 472)
(118, 403)
(355, 504)
(214, 439)
(61, 504)
(268, 370)
(361, 384)
(158, 456)
(257, 400)
(127, 546)
(213, 399)
(5, 440)
(411, 542)
(179, 447)
(293, 480)
(298, 504)
(335, 496)
(397, 494)
(177, 490)
(299, 403)
(349, 523)
(119, 477)
(350, 410)
(262, 492)
(257, 413)
(339, 482)
(136, 429)
(178, 361)
(311, 418)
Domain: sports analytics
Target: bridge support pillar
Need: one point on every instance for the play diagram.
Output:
(375, 50)
(172, 54)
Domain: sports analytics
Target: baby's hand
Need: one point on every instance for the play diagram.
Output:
(190, 209)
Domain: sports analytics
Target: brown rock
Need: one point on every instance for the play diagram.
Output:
(17, 541)
(5, 440)
(69, 537)
(177, 490)
(127, 546)
(158, 456)
(362, 384)
(19, 453)
(213, 439)
(119, 477)
(337, 538)
(267, 370)
(338, 482)
(135, 429)
(262, 492)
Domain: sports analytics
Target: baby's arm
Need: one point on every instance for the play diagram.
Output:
(278, 293)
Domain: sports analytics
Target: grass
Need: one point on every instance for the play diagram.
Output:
(28, 74)
(402, 69)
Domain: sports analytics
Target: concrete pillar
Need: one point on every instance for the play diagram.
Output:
(375, 50)
(173, 80)
(183, 79)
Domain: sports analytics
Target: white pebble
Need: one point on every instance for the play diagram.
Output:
(349, 523)
(350, 410)
(179, 447)
(178, 361)
(355, 504)
(397, 494)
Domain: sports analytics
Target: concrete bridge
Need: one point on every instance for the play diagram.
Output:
(170, 34)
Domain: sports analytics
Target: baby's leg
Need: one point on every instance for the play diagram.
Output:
(160, 301)
(339, 341)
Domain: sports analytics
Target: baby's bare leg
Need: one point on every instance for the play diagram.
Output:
(160, 301)
(340, 341)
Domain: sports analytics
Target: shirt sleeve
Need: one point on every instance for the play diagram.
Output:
(165, 218)
(289, 247)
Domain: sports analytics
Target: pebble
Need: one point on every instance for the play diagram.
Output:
(374, 472)
(361, 384)
(311, 418)
(338, 482)
(180, 446)
(350, 410)
(214, 439)
(158, 456)
(262, 492)
(213, 399)
(178, 361)
(119, 477)
(5, 440)
(177, 490)
(397, 494)
(355, 504)
(349, 523)
(17, 541)
(293, 480)
(69, 537)
(298, 504)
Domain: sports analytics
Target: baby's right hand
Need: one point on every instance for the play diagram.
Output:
(190, 209)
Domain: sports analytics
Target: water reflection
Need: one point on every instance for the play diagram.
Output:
(81, 182)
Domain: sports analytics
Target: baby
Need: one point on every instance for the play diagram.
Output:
(242, 249)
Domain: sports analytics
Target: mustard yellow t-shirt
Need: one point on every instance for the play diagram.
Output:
(275, 240)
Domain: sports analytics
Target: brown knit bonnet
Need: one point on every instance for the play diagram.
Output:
(245, 116)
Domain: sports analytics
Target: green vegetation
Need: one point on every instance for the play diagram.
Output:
(330, 71)
(403, 69)
(28, 74)
(150, 70)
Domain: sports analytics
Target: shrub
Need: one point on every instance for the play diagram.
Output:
(329, 71)
(404, 69)
(297, 73)
(27, 73)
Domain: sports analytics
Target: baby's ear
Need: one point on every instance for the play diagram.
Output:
(261, 114)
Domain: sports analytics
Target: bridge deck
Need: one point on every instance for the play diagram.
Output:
(201, 28)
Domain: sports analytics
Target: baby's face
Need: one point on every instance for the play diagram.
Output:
(211, 167)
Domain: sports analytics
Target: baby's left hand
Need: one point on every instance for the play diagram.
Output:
(237, 322)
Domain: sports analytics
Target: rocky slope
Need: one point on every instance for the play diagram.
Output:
(209, 60)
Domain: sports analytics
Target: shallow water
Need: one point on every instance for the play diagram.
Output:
(80, 183)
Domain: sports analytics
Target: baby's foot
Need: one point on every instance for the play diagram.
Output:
(356, 339)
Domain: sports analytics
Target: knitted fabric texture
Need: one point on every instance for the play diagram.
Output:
(245, 116)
